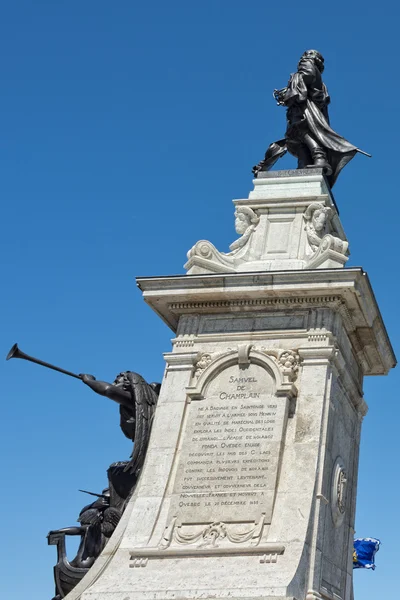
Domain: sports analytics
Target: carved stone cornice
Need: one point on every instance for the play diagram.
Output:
(267, 553)
(180, 361)
(213, 306)
(344, 291)
(315, 355)
(185, 341)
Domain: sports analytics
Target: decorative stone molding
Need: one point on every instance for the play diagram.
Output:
(339, 492)
(204, 257)
(206, 358)
(208, 363)
(244, 354)
(288, 361)
(270, 224)
(315, 355)
(202, 363)
(330, 254)
(320, 337)
(180, 361)
(328, 250)
(220, 305)
(208, 536)
(186, 341)
(354, 337)
(267, 552)
(269, 558)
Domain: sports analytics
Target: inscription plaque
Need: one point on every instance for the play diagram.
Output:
(229, 324)
(230, 450)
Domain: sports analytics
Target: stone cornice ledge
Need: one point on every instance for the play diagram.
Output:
(180, 361)
(146, 553)
(347, 291)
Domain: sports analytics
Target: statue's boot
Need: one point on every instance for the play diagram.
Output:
(320, 160)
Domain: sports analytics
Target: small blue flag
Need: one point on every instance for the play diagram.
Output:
(364, 553)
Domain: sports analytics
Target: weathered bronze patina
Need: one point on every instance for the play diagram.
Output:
(309, 136)
(137, 401)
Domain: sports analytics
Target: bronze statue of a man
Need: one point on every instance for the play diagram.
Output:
(309, 136)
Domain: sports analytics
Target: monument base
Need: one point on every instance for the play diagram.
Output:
(248, 490)
(289, 222)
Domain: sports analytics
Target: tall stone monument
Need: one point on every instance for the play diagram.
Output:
(248, 489)
(249, 485)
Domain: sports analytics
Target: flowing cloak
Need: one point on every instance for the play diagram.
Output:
(307, 99)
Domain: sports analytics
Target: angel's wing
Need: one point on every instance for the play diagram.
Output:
(89, 516)
(145, 397)
(111, 519)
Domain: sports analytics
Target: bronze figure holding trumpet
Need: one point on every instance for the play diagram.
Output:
(137, 401)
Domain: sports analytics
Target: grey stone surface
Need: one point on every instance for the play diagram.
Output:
(289, 221)
(359, 325)
(289, 173)
(230, 500)
(230, 450)
(236, 324)
(249, 485)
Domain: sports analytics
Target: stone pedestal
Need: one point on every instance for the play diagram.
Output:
(249, 485)
(289, 221)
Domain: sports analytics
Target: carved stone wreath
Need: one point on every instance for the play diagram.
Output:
(287, 360)
(339, 492)
(205, 359)
(202, 363)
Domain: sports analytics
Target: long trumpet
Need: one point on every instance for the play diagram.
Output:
(15, 352)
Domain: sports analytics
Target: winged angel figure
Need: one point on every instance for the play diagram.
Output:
(137, 401)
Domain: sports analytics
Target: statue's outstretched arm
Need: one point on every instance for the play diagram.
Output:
(69, 530)
(112, 391)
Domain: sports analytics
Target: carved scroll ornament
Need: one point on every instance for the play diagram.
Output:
(204, 255)
(323, 244)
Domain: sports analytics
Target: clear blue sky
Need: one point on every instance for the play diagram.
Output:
(126, 130)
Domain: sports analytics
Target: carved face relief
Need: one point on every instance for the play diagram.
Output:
(242, 222)
(317, 217)
(319, 220)
(121, 380)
